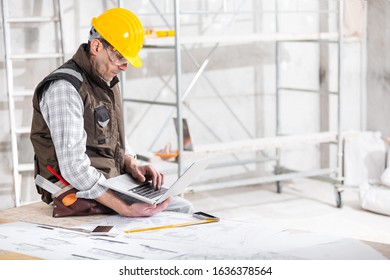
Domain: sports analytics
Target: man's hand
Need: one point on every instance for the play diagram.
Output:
(143, 172)
(138, 209)
(145, 209)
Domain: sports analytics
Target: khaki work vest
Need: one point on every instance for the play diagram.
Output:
(103, 121)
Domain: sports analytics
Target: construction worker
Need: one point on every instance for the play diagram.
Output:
(78, 126)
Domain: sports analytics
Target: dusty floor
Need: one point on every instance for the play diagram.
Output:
(304, 204)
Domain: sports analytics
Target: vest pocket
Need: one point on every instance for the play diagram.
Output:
(103, 124)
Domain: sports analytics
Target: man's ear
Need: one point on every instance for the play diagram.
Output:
(94, 46)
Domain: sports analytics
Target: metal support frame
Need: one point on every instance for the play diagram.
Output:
(180, 48)
(340, 154)
(336, 174)
(15, 131)
(179, 95)
(201, 66)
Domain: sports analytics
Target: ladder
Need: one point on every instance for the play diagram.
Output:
(18, 130)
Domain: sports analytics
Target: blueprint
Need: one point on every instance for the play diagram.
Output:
(220, 240)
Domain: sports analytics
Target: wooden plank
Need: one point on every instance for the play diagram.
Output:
(4, 221)
(7, 255)
(266, 143)
(244, 38)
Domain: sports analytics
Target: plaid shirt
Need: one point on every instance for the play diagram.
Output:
(63, 112)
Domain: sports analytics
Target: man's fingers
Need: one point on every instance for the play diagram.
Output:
(155, 176)
(159, 180)
(137, 174)
(147, 172)
(146, 210)
(163, 205)
(162, 177)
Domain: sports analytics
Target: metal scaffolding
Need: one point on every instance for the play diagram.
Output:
(179, 45)
(18, 129)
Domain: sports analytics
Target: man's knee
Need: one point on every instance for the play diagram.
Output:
(180, 204)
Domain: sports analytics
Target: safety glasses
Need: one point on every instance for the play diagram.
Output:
(115, 57)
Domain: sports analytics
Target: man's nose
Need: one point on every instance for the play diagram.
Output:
(124, 66)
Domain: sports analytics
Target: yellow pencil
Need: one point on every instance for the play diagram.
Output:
(173, 226)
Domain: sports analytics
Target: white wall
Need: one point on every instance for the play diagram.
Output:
(378, 67)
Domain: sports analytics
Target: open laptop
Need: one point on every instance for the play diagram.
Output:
(145, 192)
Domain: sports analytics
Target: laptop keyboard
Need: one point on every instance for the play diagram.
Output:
(147, 190)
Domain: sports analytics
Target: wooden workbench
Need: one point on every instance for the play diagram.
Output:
(41, 213)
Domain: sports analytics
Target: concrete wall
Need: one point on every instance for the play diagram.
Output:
(235, 97)
(378, 66)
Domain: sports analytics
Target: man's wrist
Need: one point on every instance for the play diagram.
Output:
(130, 163)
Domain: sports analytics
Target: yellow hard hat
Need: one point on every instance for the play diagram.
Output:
(123, 30)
